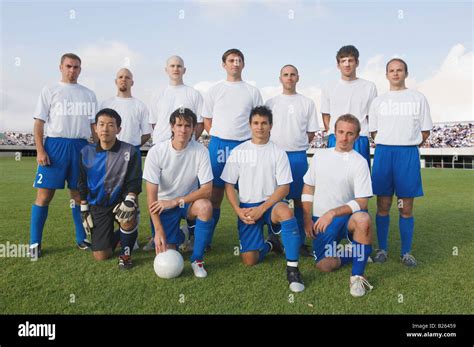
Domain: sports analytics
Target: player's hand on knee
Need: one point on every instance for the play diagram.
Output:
(161, 205)
(160, 242)
(86, 217)
(323, 222)
(42, 158)
(255, 213)
(125, 211)
(244, 217)
(308, 229)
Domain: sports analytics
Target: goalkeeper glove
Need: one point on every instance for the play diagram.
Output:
(125, 211)
(87, 220)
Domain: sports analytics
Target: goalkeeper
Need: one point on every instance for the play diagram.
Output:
(110, 180)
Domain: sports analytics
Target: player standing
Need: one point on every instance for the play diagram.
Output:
(179, 185)
(400, 122)
(65, 114)
(351, 95)
(294, 125)
(263, 173)
(109, 183)
(335, 202)
(226, 109)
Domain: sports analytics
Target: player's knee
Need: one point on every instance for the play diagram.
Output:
(102, 255)
(203, 209)
(406, 212)
(283, 212)
(130, 225)
(249, 258)
(325, 266)
(362, 221)
(43, 198)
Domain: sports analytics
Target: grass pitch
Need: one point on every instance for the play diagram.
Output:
(68, 281)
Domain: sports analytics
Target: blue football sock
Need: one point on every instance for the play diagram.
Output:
(345, 260)
(299, 219)
(291, 239)
(264, 251)
(127, 241)
(383, 225)
(152, 229)
(202, 238)
(216, 215)
(191, 226)
(80, 232)
(38, 218)
(407, 226)
(360, 254)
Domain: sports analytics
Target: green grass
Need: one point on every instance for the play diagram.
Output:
(441, 284)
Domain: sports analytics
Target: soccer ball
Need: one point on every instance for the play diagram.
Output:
(168, 264)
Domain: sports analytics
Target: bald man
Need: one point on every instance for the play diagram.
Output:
(175, 95)
(136, 129)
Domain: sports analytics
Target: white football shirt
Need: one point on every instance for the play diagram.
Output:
(168, 101)
(229, 105)
(68, 110)
(354, 97)
(338, 177)
(177, 173)
(399, 117)
(134, 114)
(293, 117)
(259, 169)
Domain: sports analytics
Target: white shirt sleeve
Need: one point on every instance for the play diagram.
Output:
(283, 170)
(313, 124)
(325, 102)
(152, 170)
(426, 122)
(153, 116)
(230, 174)
(258, 100)
(204, 170)
(362, 181)
(310, 177)
(145, 126)
(43, 105)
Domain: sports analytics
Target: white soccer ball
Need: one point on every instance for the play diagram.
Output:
(168, 264)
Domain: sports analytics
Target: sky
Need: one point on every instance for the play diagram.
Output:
(435, 38)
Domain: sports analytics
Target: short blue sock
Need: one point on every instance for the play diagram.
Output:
(127, 241)
(299, 219)
(80, 232)
(383, 225)
(152, 228)
(264, 251)
(202, 237)
(39, 214)
(290, 236)
(360, 254)
(407, 226)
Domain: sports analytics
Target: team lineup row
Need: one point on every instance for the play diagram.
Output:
(262, 149)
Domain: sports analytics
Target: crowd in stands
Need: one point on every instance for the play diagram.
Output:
(442, 136)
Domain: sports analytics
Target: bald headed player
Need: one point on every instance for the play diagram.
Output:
(65, 114)
(294, 125)
(349, 95)
(136, 129)
(175, 96)
(400, 122)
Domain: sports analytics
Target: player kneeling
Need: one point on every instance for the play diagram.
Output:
(263, 173)
(338, 181)
(109, 184)
(179, 185)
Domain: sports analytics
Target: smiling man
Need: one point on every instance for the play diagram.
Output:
(109, 183)
(263, 173)
(335, 201)
(179, 186)
(348, 95)
(400, 122)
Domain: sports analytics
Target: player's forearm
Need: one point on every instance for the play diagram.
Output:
(144, 139)
(199, 130)
(308, 193)
(425, 135)
(373, 134)
(277, 196)
(346, 209)
(232, 197)
(310, 137)
(326, 120)
(204, 192)
(208, 125)
(38, 131)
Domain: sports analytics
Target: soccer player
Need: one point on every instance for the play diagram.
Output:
(351, 95)
(226, 109)
(109, 183)
(65, 113)
(263, 173)
(176, 95)
(400, 122)
(335, 202)
(179, 185)
(294, 125)
(136, 128)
